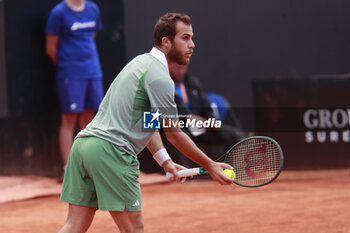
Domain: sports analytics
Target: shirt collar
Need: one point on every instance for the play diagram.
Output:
(160, 56)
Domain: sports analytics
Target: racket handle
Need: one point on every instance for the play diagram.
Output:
(185, 173)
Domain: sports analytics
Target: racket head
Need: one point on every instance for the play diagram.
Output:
(256, 160)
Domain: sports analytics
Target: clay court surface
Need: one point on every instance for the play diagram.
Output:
(298, 202)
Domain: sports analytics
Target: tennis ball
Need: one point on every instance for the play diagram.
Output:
(230, 173)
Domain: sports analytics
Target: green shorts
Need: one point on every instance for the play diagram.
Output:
(101, 176)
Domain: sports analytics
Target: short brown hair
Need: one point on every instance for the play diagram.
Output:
(166, 26)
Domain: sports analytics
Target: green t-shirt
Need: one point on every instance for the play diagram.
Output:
(143, 85)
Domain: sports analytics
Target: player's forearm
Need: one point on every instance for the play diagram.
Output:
(184, 144)
(52, 55)
(51, 47)
(155, 144)
(160, 155)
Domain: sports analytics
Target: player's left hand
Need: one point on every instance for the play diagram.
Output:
(216, 172)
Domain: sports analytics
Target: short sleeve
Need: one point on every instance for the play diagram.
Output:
(53, 24)
(98, 17)
(161, 93)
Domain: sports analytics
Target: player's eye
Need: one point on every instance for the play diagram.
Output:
(186, 38)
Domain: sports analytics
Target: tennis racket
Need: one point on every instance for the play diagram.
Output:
(256, 160)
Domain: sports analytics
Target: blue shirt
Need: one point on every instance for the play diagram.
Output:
(77, 56)
(179, 94)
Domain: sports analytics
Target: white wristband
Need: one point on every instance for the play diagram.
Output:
(161, 156)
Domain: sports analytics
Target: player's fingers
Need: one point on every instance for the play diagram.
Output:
(227, 166)
(179, 167)
(171, 167)
(227, 181)
(175, 175)
(172, 174)
(217, 173)
(224, 179)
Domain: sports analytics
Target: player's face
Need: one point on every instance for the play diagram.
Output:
(182, 46)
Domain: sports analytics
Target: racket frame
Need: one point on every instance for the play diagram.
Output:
(223, 158)
(280, 153)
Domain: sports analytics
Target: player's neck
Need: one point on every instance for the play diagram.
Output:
(171, 63)
(76, 5)
(165, 51)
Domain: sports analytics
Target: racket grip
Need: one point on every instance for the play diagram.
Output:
(185, 173)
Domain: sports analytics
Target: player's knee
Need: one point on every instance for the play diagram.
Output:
(68, 120)
(139, 227)
(137, 223)
(71, 227)
(132, 229)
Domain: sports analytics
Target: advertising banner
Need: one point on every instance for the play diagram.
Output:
(310, 117)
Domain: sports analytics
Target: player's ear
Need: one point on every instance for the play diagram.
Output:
(166, 43)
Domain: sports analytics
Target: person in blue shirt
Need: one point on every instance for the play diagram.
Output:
(70, 33)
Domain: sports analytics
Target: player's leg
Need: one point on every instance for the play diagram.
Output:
(71, 102)
(92, 98)
(128, 221)
(116, 180)
(66, 134)
(85, 118)
(78, 190)
(79, 219)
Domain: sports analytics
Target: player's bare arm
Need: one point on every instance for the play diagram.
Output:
(51, 47)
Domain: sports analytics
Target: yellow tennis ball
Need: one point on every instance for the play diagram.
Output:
(230, 173)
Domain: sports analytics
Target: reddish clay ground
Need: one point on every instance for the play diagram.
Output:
(289, 205)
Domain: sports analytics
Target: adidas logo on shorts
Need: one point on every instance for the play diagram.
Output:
(137, 203)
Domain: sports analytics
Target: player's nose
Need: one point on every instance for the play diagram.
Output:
(192, 45)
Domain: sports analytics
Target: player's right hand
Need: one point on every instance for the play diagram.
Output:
(169, 166)
(173, 168)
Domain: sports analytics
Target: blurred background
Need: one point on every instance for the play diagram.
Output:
(283, 65)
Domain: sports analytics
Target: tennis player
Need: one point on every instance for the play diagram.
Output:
(103, 170)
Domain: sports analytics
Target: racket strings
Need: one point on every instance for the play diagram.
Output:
(255, 161)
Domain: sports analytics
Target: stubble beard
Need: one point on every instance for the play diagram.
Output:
(175, 55)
